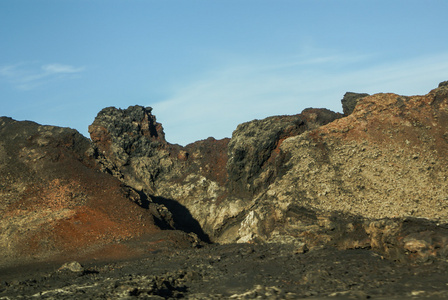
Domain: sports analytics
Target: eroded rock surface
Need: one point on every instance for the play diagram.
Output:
(238, 271)
(370, 182)
(350, 100)
(213, 180)
(55, 202)
(383, 162)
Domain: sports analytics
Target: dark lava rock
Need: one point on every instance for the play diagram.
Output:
(251, 146)
(130, 144)
(255, 145)
(321, 205)
(350, 100)
(239, 271)
(443, 83)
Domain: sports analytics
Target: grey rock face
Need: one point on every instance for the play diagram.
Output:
(131, 145)
(255, 159)
(251, 147)
(350, 100)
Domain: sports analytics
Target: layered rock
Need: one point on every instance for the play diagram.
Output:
(55, 202)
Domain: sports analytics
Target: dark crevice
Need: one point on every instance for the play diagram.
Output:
(181, 216)
(183, 220)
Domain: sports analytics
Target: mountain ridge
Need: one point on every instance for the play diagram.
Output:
(279, 179)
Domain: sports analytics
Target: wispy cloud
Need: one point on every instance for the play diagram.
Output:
(216, 103)
(27, 76)
(61, 69)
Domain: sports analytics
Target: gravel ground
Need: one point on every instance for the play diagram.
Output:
(234, 271)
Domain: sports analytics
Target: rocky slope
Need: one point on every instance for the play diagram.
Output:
(372, 178)
(214, 181)
(297, 178)
(55, 203)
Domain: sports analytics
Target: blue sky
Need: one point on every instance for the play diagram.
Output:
(207, 65)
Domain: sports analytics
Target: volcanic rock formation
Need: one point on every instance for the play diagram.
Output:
(286, 178)
(214, 180)
(55, 202)
(350, 100)
(373, 178)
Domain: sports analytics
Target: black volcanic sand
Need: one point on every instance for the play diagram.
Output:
(234, 271)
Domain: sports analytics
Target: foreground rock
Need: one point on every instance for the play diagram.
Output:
(55, 203)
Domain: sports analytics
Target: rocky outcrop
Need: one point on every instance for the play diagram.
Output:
(443, 84)
(213, 180)
(254, 150)
(372, 178)
(134, 144)
(255, 143)
(387, 159)
(385, 162)
(285, 178)
(350, 100)
(55, 203)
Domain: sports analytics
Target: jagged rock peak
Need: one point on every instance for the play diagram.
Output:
(443, 83)
(135, 120)
(120, 133)
(350, 100)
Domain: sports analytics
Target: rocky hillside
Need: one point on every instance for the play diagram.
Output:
(214, 181)
(55, 203)
(371, 178)
(286, 178)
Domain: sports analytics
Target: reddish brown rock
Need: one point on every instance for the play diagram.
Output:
(55, 203)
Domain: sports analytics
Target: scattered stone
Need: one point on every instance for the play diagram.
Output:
(302, 248)
(73, 266)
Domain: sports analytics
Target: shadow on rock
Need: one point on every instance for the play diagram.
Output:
(183, 219)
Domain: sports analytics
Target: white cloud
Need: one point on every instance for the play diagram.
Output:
(217, 103)
(58, 68)
(27, 76)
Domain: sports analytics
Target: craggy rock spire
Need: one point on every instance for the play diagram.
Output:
(133, 143)
(350, 100)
